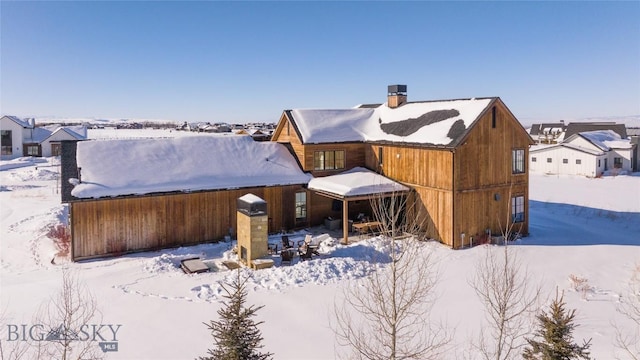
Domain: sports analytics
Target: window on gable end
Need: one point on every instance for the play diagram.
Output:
(517, 161)
(493, 117)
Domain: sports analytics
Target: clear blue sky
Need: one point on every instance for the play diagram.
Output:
(248, 61)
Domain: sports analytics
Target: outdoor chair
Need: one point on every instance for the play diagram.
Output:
(306, 253)
(286, 256)
(286, 243)
(307, 248)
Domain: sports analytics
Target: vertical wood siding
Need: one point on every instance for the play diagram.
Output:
(107, 227)
(483, 173)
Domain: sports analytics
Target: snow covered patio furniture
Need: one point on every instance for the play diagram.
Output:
(286, 243)
(193, 266)
(286, 256)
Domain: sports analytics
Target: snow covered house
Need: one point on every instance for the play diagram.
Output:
(548, 133)
(464, 161)
(133, 195)
(23, 138)
(589, 153)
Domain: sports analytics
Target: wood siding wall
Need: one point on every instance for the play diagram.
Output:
(483, 173)
(456, 188)
(285, 133)
(354, 155)
(430, 173)
(109, 227)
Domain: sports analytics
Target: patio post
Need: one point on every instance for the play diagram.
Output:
(345, 221)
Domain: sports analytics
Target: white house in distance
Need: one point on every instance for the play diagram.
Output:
(23, 138)
(590, 153)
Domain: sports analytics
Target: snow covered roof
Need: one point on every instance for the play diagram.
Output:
(542, 148)
(432, 122)
(71, 133)
(605, 139)
(24, 123)
(38, 135)
(356, 182)
(143, 166)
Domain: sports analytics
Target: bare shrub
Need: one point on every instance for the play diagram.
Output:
(580, 285)
(61, 237)
(395, 299)
(72, 308)
(510, 300)
(629, 307)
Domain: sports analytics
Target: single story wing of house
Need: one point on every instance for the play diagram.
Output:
(134, 195)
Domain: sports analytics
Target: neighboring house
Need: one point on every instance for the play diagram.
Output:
(256, 134)
(464, 160)
(134, 195)
(590, 153)
(578, 127)
(12, 130)
(23, 138)
(548, 133)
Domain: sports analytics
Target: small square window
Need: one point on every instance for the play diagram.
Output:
(533, 159)
(549, 160)
(565, 161)
(578, 161)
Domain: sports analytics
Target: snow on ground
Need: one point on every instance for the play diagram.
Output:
(585, 227)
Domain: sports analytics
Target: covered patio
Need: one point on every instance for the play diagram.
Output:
(353, 185)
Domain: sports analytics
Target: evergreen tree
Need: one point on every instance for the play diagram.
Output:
(236, 335)
(554, 334)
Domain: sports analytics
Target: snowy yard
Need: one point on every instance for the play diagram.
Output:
(584, 227)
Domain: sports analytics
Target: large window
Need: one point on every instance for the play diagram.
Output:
(328, 160)
(7, 143)
(301, 205)
(517, 156)
(517, 209)
(33, 150)
(617, 163)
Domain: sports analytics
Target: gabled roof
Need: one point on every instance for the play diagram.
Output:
(537, 129)
(70, 132)
(435, 123)
(41, 134)
(605, 140)
(578, 127)
(144, 166)
(568, 146)
(25, 124)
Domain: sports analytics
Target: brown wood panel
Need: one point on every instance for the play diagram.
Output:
(478, 210)
(484, 158)
(435, 213)
(413, 166)
(483, 171)
(285, 133)
(115, 226)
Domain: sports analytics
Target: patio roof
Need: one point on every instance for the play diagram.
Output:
(357, 183)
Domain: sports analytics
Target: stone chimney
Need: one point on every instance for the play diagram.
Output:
(396, 95)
